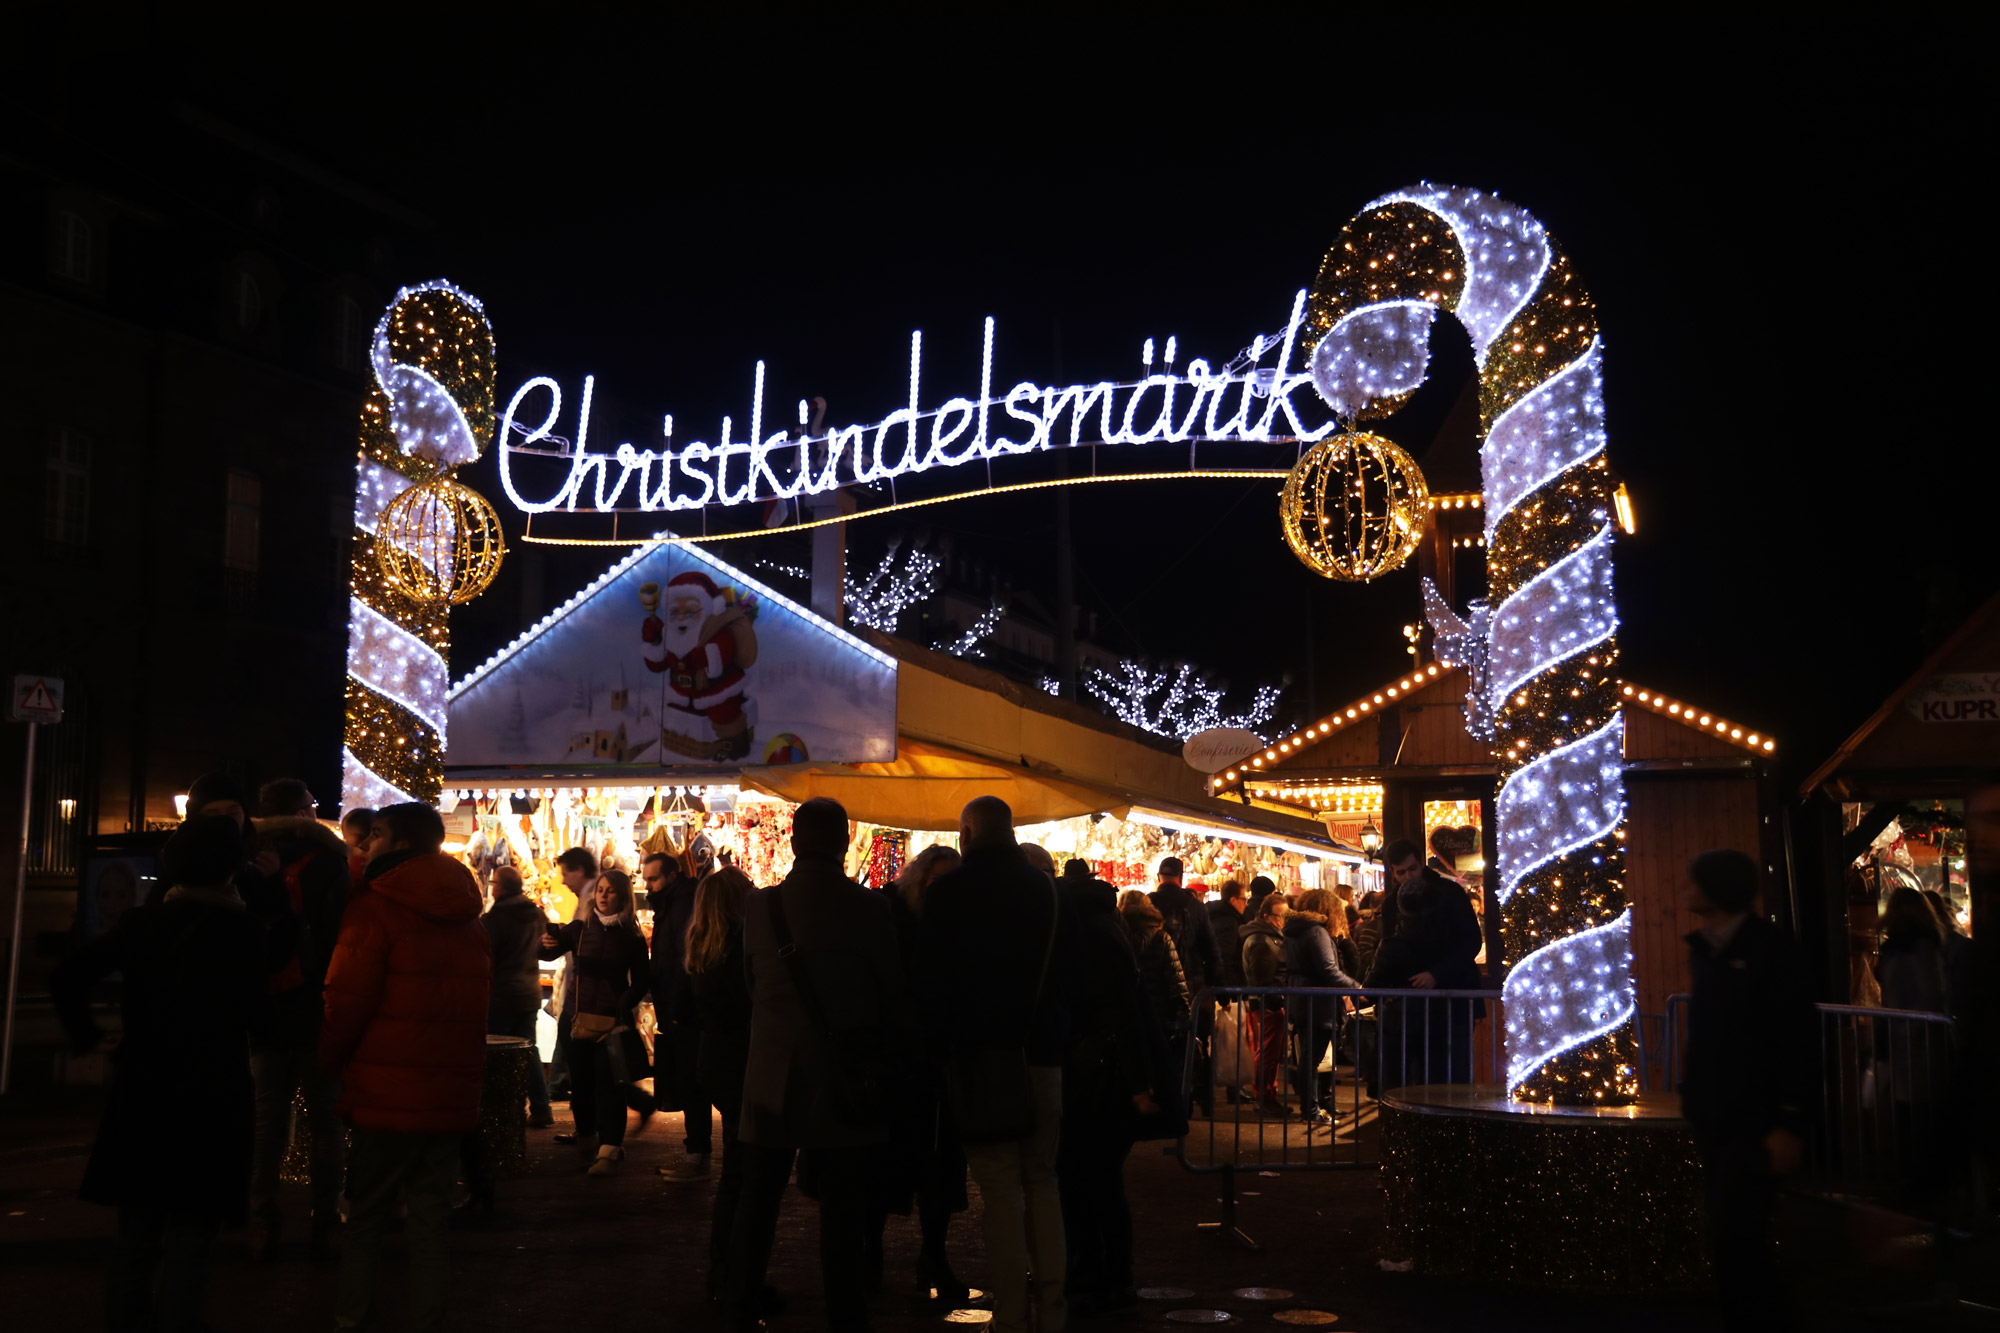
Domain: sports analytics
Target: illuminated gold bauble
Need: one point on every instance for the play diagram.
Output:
(439, 542)
(1355, 507)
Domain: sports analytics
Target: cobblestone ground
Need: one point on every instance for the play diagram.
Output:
(565, 1251)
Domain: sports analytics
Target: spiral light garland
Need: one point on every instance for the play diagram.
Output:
(429, 409)
(1555, 702)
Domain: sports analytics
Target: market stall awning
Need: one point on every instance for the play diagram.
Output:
(926, 786)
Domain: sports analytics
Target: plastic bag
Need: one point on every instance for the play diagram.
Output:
(1235, 1054)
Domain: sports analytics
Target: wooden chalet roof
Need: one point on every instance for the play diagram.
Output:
(1897, 745)
(1415, 726)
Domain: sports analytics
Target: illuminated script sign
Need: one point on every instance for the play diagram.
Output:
(1241, 400)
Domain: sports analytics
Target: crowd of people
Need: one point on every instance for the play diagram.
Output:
(985, 1016)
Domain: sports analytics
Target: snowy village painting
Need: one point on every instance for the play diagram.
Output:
(676, 659)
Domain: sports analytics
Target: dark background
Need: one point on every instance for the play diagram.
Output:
(1785, 223)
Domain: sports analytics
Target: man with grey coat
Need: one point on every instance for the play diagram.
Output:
(826, 1005)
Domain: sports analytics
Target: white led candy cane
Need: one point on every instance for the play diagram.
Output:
(1551, 639)
(430, 408)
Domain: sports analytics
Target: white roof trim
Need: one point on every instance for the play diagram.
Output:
(603, 580)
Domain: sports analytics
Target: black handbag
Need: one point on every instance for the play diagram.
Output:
(992, 1092)
(857, 1094)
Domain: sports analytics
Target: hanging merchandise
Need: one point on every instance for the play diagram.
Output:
(887, 854)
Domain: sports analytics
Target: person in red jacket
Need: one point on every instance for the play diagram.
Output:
(405, 1032)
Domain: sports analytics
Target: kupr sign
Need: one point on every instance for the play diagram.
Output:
(1959, 696)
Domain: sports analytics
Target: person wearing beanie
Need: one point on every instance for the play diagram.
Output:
(172, 1153)
(1751, 1084)
(825, 972)
(307, 894)
(405, 1031)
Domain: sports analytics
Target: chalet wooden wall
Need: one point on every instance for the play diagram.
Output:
(1671, 820)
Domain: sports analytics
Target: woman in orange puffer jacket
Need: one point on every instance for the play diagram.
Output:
(406, 998)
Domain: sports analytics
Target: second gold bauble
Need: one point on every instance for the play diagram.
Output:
(1355, 507)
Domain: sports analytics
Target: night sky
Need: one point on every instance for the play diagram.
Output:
(1784, 224)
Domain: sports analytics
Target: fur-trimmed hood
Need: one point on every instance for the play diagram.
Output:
(275, 827)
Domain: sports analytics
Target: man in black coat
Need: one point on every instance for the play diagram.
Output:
(1227, 916)
(812, 1045)
(993, 973)
(1752, 1078)
(1440, 953)
(1187, 923)
(670, 890)
(1118, 1086)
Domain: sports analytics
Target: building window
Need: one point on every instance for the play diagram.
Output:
(66, 493)
(353, 335)
(74, 248)
(249, 301)
(243, 520)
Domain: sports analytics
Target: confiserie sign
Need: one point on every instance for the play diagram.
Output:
(1958, 696)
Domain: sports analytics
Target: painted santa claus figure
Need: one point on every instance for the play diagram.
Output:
(700, 637)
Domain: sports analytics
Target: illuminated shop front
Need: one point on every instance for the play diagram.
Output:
(1912, 800)
(677, 698)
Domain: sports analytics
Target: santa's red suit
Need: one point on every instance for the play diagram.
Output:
(716, 693)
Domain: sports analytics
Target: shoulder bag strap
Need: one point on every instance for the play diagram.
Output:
(789, 951)
(1055, 923)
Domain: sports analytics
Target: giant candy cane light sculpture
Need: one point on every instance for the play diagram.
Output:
(1559, 731)
(429, 409)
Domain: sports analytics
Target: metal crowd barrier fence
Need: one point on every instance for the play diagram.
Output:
(1889, 1119)
(1297, 1073)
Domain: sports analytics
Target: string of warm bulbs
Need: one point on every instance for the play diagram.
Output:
(1703, 720)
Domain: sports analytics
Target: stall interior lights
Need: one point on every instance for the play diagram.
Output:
(1158, 820)
(1721, 728)
(709, 792)
(1469, 500)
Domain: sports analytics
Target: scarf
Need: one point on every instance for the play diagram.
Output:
(212, 895)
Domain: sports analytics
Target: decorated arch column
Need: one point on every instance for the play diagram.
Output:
(429, 409)
(1551, 646)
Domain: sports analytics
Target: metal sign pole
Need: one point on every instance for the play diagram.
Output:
(20, 898)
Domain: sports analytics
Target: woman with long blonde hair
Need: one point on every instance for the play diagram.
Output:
(926, 866)
(612, 972)
(716, 990)
(1311, 959)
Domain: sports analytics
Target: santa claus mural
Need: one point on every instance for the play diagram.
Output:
(701, 638)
